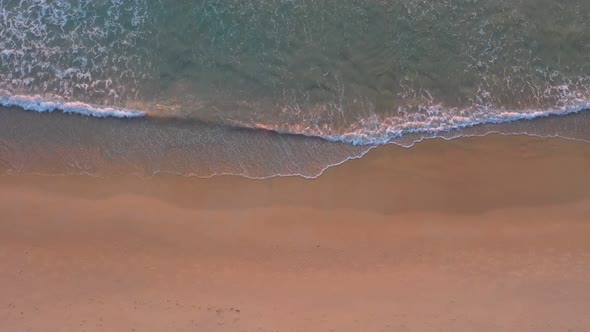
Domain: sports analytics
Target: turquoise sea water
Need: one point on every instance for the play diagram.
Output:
(346, 74)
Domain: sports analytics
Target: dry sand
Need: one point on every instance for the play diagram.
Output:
(477, 234)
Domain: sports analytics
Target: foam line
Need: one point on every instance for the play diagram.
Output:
(40, 104)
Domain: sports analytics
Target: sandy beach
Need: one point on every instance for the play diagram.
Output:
(294, 166)
(474, 234)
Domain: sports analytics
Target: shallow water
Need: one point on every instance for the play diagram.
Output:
(361, 72)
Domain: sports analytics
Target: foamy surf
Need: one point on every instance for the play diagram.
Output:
(371, 131)
(37, 103)
(380, 131)
(31, 144)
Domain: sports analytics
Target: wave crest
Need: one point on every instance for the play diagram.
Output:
(39, 104)
(376, 130)
(431, 120)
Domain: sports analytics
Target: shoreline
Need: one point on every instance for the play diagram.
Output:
(373, 174)
(40, 143)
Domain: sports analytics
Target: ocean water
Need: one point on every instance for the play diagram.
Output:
(278, 87)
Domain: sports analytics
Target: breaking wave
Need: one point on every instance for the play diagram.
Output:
(373, 130)
(42, 105)
(378, 131)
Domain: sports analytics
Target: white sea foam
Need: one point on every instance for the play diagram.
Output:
(377, 130)
(69, 48)
(369, 131)
(40, 104)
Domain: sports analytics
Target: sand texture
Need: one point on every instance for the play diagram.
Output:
(474, 234)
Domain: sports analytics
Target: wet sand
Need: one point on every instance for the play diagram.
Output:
(475, 234)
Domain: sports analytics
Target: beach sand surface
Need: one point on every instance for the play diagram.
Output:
(473, 234)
